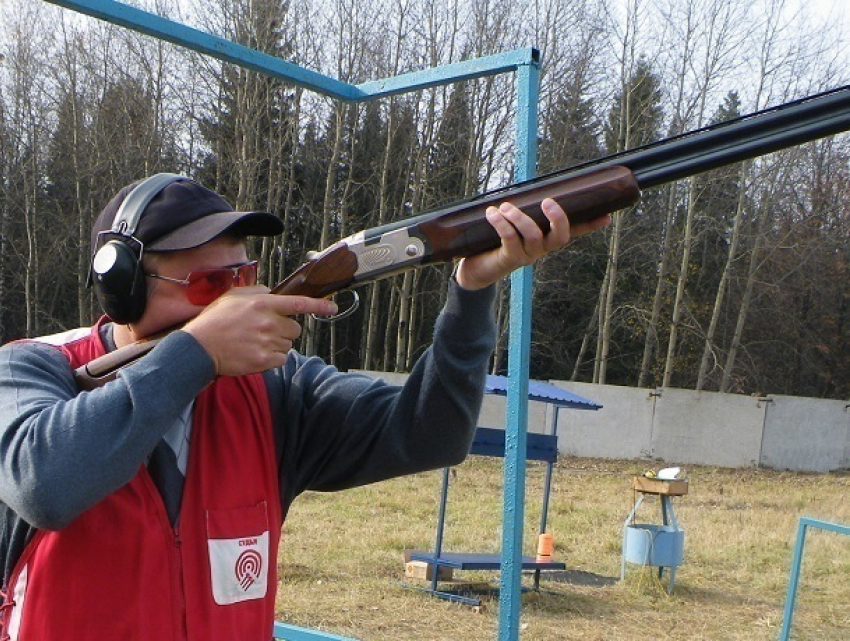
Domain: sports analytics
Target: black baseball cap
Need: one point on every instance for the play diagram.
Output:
(183, 215)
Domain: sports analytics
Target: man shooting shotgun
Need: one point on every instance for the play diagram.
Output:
(151, 507)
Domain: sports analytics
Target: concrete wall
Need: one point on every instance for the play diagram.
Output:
(682, 426)
(671, 425)
(806, 434)
(707, 428)
(621, 429)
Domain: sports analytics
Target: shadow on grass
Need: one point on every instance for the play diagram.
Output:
(579, 577)
(550, 597)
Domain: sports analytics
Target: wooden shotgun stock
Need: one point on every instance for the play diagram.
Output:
(461, 230)
(585, 192)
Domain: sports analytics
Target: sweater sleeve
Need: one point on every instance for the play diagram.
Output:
(340, 430)
(62, 451)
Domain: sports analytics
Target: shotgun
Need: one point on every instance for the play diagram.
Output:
(585, 191)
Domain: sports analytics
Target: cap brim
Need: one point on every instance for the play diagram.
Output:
(203, 230)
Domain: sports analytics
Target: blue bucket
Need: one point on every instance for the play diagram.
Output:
(659, 545)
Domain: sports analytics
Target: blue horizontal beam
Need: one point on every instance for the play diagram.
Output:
(226, 50)
(232, 52)
(826, 525)
(454, 72)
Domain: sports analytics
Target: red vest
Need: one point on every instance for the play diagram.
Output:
(121, 571)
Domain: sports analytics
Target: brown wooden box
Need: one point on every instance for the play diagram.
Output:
(425, 571)
(674, 487)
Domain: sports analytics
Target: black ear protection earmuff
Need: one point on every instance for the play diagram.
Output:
(116, 268)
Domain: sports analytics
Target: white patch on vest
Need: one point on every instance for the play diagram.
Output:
(63, 338)
(239, 568)
(18, 595)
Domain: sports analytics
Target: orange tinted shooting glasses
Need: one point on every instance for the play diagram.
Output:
(203, 286)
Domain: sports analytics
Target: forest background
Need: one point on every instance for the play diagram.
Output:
(733, 281)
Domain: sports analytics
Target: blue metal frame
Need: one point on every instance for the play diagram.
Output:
(229, 51)
(287, 632)
(802, 528)
(525, 62)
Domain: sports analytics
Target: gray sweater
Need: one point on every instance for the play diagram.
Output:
(62, 451)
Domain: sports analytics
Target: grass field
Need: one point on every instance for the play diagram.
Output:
(342, 570)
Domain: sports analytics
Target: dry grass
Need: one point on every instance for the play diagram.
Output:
(341, 560)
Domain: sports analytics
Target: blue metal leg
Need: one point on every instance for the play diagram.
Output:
(441, 522)
(794, 578)
(628, 520)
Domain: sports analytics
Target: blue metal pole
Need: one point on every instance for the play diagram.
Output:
(519, 348)
(498, 63)
(287, 632)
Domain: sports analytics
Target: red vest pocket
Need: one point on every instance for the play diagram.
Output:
(238, 544)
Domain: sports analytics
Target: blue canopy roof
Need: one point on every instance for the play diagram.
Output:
(540, 391)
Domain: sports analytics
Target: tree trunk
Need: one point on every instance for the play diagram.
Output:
(608, 305)
(678, 303)
(585, 341)
(403, 330)
(310, 337)
(502, 313)
(391, 319)
(708, 353)
(726, 380)
(601, 306)
(650, 344)
(291, 184)
(413, 326)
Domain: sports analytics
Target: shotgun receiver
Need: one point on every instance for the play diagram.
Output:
(586, 191)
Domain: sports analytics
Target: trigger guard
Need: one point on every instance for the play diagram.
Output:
(355, 303)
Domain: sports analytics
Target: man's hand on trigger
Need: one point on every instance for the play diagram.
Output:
(523, 243)
(249, 330)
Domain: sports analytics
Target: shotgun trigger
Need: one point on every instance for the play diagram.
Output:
(345, 313)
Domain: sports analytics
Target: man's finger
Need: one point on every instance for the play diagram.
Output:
(559, 225)
(298, 305)
(524, 224)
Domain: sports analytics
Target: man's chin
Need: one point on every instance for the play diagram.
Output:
(146, 330)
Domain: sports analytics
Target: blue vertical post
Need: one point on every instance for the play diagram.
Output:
(516, 421)
(793, 580)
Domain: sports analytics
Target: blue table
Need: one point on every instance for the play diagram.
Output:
(491, 442)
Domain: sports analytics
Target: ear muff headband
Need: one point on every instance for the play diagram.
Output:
(130, 212)
(116, 268)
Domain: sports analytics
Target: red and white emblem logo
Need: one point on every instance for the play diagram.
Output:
(248, 568)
